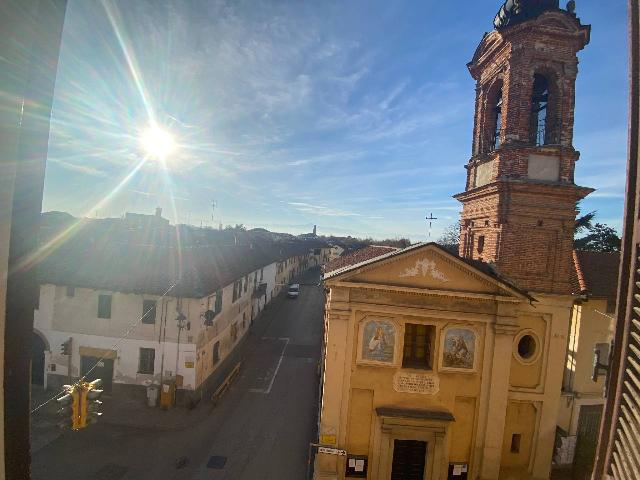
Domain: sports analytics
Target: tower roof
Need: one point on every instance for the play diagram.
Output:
(513, 12)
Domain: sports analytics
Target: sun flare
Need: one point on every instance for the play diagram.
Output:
(157, 143)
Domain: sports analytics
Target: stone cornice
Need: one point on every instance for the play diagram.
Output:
(430, 292)
(505, 328)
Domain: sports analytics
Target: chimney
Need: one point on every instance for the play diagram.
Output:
(314, 230)
(158, 212)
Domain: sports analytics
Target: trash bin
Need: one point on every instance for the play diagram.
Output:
(167, 395)
(152, 395)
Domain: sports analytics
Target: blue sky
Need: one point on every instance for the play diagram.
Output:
(356, 116)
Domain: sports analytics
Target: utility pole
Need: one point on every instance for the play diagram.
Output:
(69, 359)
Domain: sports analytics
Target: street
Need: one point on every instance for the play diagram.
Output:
(260, 429)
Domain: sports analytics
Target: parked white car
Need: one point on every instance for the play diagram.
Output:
(294, 290)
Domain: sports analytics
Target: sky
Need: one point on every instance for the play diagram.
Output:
(353, 116)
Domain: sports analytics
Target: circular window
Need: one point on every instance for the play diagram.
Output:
(527, 347)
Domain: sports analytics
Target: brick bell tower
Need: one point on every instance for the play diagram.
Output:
(519, 205)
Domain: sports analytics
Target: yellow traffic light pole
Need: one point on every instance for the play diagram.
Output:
(81, 402)
(75, 407)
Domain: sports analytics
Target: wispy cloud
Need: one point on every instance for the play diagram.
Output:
(322, 210)
(74, 167)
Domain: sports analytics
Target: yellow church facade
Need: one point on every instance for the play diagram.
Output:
(437, 368)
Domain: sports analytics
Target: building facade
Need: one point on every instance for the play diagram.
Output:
(138, 314)
(590, 335)
(439, 366)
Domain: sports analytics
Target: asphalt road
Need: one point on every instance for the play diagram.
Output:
(261, 429)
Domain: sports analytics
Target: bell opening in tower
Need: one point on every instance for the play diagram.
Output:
(540, 128)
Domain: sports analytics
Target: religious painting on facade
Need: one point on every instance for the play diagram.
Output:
(459, 349)
(378, 341)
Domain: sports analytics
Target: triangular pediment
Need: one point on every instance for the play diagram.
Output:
(427, 267)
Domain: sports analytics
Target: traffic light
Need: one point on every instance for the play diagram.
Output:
(70, 407)
(90, 402)
(66, 347)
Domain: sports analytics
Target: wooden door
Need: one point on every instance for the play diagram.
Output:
(409, 457)
(586, 441)
(98, 368)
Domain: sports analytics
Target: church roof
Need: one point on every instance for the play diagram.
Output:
(595, 273)
(359, 256)
(513, 12)
(479, 266)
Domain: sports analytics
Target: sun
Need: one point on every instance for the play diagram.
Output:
(157, 142)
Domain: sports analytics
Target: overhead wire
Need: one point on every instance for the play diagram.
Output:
(113, 347)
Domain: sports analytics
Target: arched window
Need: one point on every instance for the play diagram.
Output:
(497, 121)
(540, 126)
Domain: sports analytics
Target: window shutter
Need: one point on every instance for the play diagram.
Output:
(618, 451)
(625, 449)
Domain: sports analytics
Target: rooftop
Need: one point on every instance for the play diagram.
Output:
(105, 255)
(358, 256)
(595, 274)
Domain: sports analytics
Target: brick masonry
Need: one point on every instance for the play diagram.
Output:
(524, 225)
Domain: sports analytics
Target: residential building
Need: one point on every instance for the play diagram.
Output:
(142, 314)
(335, 252)
(591, 330)
(440, 366)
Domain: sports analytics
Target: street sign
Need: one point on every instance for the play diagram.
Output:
(332, 451)
(328, 439)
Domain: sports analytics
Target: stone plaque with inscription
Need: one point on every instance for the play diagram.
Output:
(425, 384)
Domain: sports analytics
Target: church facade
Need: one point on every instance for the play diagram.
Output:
(441, 366)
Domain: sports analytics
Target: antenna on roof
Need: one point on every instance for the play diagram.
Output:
(431, 218)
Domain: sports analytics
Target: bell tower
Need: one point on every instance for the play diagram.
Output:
(519, 204)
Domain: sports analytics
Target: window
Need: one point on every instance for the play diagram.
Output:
(515, 442)
(261, 274)
(218, 306)
(216, 353)
(237, 290)
(497, 121)
(234, 332)
(540, 131)
(527, 347)
(71, 291)
(149, 311)
(147, 361)
(480, 243)
(417, 346)
(104, 306)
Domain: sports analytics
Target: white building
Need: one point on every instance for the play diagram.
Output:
(139, 315)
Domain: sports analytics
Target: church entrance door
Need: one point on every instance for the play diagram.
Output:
(409, 458)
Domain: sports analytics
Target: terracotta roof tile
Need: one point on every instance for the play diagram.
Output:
(358, 256)
(595, 273)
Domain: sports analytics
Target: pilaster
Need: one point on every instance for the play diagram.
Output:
(504, 332)
(336, 338)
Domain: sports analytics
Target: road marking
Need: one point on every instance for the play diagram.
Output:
(267, 390)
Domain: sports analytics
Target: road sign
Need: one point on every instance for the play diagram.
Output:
(332, 451)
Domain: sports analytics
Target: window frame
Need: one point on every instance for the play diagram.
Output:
(101, 307)
(149, 361)
(215, 354)
(413, 361)
(146, 318)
